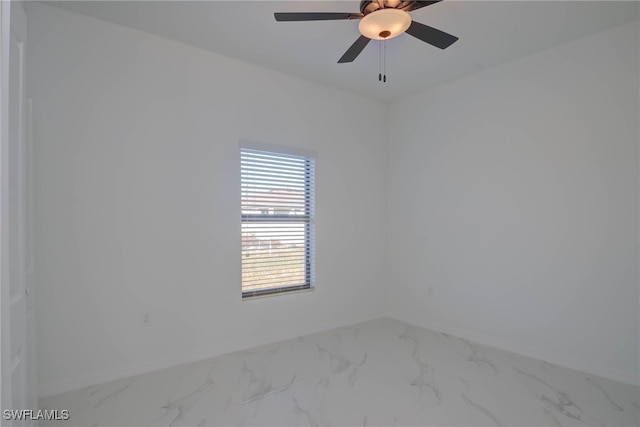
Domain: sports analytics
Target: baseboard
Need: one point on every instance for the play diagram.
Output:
(132, 370)
(578, 365)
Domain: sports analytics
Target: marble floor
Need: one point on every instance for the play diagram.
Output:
(381, 372)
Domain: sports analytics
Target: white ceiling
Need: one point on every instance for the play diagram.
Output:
(490, 32)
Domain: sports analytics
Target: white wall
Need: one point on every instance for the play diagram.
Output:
(512, 201)
(513, 206)
(137, 185)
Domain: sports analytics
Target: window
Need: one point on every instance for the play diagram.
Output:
(277, 216)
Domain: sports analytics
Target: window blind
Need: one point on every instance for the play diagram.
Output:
(277, 211)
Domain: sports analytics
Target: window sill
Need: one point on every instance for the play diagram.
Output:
(278, 294)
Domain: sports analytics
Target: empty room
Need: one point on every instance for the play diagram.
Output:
(320, 213)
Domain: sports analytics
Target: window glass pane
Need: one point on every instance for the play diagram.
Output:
(277, 222)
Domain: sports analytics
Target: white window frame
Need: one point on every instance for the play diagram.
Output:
(307, 218)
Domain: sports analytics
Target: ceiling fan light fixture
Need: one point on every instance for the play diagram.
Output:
(384, 24)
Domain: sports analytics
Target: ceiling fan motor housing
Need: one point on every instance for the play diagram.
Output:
(368, 6)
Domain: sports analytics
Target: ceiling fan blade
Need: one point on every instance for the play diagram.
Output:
(314, 16)
(355, 49)
(431, 35)
(415, 5)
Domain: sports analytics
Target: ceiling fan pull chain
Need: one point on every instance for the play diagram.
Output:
(380, 61)
(384, 69)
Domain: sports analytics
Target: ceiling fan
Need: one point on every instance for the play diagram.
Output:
(380, 20)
